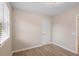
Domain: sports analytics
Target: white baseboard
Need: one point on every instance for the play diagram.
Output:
(30, 47)
(65, 48)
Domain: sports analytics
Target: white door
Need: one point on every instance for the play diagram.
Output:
(45, 31)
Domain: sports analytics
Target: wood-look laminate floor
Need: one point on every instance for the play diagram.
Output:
(47, 50)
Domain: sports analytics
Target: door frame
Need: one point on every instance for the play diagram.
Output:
(77, 43)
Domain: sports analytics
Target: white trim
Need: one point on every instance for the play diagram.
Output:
(30, 47)
(76, 34)
(65, 48)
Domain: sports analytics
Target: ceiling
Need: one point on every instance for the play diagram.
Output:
(46, 8)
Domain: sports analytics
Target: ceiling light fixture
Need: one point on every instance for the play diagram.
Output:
(52, 3)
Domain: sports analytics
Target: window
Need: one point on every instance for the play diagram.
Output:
(6, 19)
(0, 27)
(1, 19)
(4, 22)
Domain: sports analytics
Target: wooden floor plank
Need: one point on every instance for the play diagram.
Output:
(47, 50)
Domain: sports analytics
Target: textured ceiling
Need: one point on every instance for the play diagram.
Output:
(50, 9)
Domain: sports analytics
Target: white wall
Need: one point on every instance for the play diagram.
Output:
(28, 29)
(64, 29)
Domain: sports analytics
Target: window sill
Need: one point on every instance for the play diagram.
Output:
(3, 39)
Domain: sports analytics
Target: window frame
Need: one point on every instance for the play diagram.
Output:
(5, 34)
